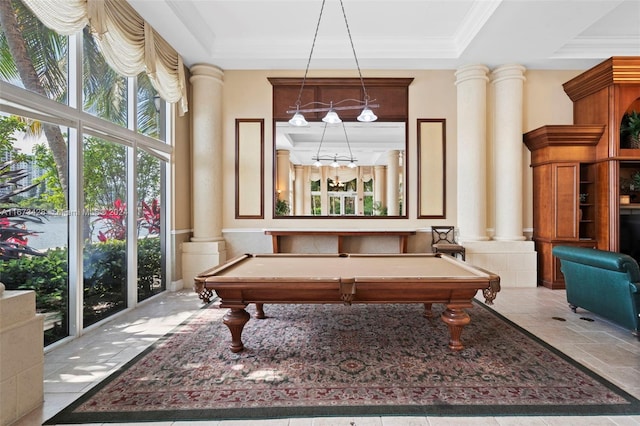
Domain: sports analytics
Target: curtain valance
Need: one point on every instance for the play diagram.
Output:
(128, 43)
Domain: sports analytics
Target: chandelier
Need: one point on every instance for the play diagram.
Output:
(335, 159)
(330, 108)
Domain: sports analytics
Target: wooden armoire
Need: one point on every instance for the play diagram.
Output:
(577, 169)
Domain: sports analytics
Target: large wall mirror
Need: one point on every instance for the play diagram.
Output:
(344, 170)
(351, 169)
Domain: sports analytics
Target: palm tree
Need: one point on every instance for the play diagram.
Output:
(37, 53)
(37, 56)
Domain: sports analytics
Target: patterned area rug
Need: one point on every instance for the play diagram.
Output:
(335, 360)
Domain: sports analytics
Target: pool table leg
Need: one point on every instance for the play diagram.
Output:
(260, 311)
(456, 318)
(235, 319)
(428, 313)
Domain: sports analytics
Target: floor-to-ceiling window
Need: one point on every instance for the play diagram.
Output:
(82, 170)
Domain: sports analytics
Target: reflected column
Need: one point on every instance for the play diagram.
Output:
(360, 192)
(298, 190)
(324, 192)
(379, 186)
(283, 166)
(393, 183)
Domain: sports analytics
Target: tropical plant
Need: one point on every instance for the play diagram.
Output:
(149, 267)
(115, 222)
(379, 209)
(13, 219)
(150, 219)
(53, 195)
(47, 277)
(630, 129)
(282, 207)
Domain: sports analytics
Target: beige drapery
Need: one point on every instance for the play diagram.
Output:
(129, 44)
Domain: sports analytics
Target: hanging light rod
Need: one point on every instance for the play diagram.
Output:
(332, 106)
(335, 158)
(332, 117)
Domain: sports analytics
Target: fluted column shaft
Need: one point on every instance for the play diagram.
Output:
(508, 82)
(206, 110)
(471, 82)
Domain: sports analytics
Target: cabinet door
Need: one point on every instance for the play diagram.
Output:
(566, 178)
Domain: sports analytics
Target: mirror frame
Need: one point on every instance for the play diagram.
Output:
(391, 93)
(249, 160)
(432, 168)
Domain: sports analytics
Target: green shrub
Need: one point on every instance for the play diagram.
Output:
(149, 266)
(104, 279)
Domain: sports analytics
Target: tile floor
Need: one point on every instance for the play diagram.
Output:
(75, 367)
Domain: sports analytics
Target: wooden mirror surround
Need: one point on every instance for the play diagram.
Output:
(249, 168)
(304, 190)
(431, 168)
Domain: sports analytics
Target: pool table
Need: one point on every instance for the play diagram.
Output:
(346, 278)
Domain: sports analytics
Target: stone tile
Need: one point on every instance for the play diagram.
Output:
(462, 421)
(404, 421)
(520, 421)
(581, 421)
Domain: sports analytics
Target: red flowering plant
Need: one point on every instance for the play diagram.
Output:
(150, 219)
(115, 222)
(14, 219)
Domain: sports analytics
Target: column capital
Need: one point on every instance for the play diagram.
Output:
(199, 71)
(508, 72)
(471, 72)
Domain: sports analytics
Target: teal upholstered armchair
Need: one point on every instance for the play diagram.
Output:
(603, 282)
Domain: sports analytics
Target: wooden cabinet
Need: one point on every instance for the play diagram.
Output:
(587, 203)
(603, 95)
(564, 196)
(577, 169)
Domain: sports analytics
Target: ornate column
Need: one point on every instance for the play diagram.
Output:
(307, 191)
(393, 183)
(471, 82)
(508, 82)
(283, 167)
(298, 191)
(360, 192)
(324, 193)
(379, 185)
(207, 247)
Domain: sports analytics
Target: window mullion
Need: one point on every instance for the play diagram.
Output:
(132, 216)
(75, 195)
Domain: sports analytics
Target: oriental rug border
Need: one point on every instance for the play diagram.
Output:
(618, 401)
